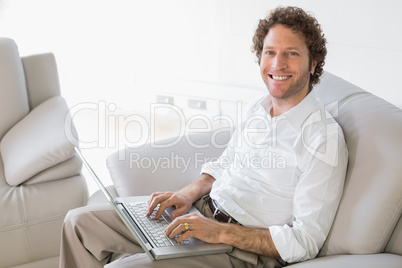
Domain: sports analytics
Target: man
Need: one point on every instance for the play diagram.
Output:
(275, 189)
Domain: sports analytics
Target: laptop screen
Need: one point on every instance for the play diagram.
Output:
(93, 174)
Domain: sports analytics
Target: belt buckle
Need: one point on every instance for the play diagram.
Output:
(217, 210)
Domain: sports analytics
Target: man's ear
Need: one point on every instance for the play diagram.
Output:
(313, 65)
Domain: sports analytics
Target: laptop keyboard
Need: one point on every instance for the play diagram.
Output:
(155, 229)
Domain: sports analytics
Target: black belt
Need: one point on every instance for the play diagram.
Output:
(218, 214)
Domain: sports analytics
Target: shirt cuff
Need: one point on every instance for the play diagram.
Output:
(208, 169)
(286, 244)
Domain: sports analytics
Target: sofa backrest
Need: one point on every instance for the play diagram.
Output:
(25, 82)
(371, 204)
(13, 94)
(178, 159)
(42, 78)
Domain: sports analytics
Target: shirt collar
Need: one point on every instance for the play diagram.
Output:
(298, 114)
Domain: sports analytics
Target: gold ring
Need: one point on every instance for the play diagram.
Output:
(186, 226)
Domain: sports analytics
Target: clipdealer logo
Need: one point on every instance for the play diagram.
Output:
(146, 130)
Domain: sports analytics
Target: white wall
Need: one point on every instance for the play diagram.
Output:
(105, 49)
(364, 42)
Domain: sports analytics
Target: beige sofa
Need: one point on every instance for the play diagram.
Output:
(40, 177)
(367, 231)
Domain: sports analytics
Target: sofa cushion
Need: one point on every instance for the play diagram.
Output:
(349, 261)
(372, 201)
(37, 142)
(70, 168)
(35, 214)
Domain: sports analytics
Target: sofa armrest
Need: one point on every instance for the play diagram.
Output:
(352, 261)
(166, 165)
(37, 142)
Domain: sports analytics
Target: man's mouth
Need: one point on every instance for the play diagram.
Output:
(280, 77)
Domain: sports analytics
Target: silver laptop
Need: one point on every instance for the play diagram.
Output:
(149, 232)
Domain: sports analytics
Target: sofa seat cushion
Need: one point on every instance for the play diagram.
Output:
(353, 261)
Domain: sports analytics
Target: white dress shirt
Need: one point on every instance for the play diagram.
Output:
(285, 173)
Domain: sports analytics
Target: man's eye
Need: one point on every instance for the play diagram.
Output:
(293, 53)
(269, 53)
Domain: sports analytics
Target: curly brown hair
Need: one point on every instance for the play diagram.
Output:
(299, 21)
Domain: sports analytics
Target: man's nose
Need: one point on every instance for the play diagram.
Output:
(279, 62)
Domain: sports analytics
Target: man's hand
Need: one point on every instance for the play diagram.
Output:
(199, 227)
(182, 199)
(166, 199)
(255, 240)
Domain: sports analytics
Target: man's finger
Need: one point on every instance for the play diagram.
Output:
(186, 235)
(152, 196)
(170, 201)
(156, 199)
(179, 211)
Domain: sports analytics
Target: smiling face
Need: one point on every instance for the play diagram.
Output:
(284, 65)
